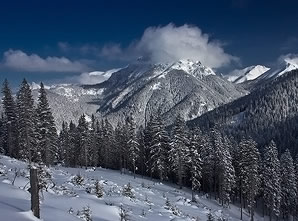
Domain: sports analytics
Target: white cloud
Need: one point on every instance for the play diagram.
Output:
(290, 58)
(18, 60)
(171, 43)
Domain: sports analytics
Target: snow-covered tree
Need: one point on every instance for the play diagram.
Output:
(271, 176)
(288, 184)
(46, 130)
(64, 145)
(9, 123)
(227, 173)
(195, 161)
(179, 151)
(249, 173)
(133, 145)
(83, 142)
(27, 124)
(159, 148)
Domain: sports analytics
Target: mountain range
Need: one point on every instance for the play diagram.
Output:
(142, 89)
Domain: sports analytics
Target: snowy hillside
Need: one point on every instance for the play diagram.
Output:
(150, 200)
(283, 67)
(184, 87)
(246, 74)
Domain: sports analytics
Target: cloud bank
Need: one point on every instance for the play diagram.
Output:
(171, 43)
(20, 61)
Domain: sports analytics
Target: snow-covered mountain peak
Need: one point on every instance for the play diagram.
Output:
(246, 74)
(192, 67)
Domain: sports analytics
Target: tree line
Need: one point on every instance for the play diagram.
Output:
(212, 161)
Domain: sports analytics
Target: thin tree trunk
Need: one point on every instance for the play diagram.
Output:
(34, 190)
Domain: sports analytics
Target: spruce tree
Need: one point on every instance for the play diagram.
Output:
(179, 151)
(133, 144)
(249, 173)
(159, 147)
(271, 176)
(195, 161)
(47, 134)
(74, 149)
(288, 184)
(64, 145)
(10, 135)
(83, 142)
(27, 124)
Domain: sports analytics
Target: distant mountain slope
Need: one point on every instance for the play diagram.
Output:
(246, 74)
(142, 89)
(185, 87)
(269, 112)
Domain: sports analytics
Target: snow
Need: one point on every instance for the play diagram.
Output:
(246, 74)
(192, 67)
(65, 196)
(156, 86)
(120, 97)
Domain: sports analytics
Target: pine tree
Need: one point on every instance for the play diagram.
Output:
(27, 124)
(93, 142)
(159, 147)
(47, 134)
(288, 184)
(133, 144)
(83, 142)
(121, 146)
(195, 161)
(179, 151)
(73, 148)
(271, 176)
(99, 190)
(64, 145)
(10, 135)
(2, 151)
(227, 173)
(248, 173)
(108, 142)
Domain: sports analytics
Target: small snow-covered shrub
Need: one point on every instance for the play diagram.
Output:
(85, 214)
(127, 191)
(99, 190)
(123, 214)
(78, 180)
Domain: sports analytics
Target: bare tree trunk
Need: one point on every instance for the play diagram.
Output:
(34, 189)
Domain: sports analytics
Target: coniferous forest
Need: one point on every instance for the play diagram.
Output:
(213, 161)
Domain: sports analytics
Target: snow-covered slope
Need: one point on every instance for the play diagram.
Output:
(65, 197)
(280, 69)
(185, 87)
(68, 102)
(246, 74)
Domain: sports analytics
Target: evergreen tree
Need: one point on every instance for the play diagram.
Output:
(195, 161)
(108, 142)
(47, 134)
(271, 176)
(227, 173)
(10, 135)
(73, 148)
(179, 151)
(121, 146)
(248, 173)
(64, 145)
(288, 184)
(27, 124)
(83, 142)
(133, 144)
(2, 151)
(93, 142)
(159, 147)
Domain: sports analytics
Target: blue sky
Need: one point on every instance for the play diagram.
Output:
(56, 41)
